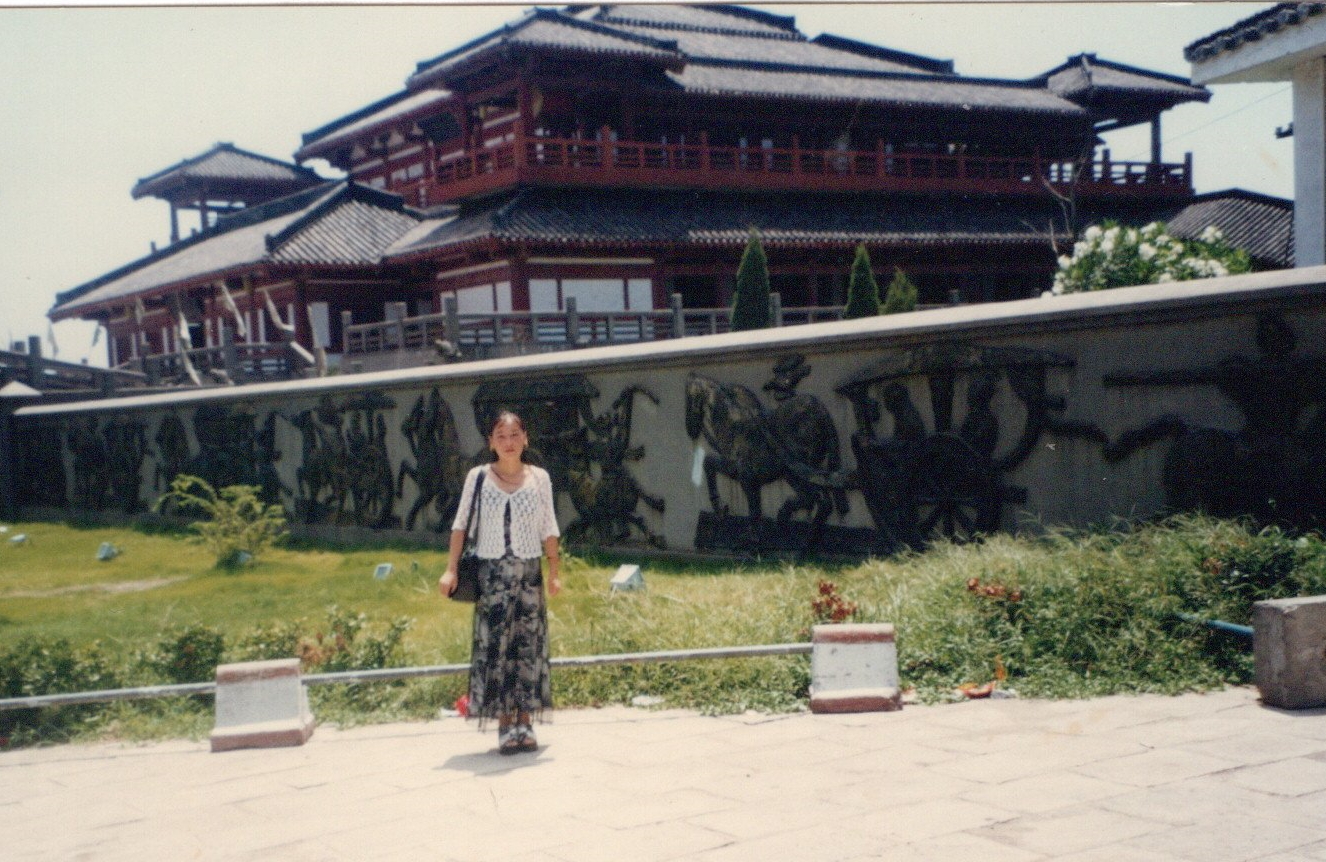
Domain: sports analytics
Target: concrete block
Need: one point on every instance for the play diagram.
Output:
(1289, 652)
(854, 668)
(261, 704)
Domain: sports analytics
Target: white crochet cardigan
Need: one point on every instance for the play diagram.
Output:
(532, 516)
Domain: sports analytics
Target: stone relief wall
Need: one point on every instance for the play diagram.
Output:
(853, 438)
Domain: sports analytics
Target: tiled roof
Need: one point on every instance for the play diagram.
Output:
(383, 111)
(1252, 29)
(335, 224)
(613, 217)
(713, 18)
(1080, 75)
(545, 28)
(226, 162)
(1261, 225)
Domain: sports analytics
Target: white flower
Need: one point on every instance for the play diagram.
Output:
(1146, 251)
(1065, 261)
(1211, 234)
(1092, 232)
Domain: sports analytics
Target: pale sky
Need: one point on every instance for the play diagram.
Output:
(94, 99)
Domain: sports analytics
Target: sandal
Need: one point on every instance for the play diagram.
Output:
(527, 741)
(508, 740)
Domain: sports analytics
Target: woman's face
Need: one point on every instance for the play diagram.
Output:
(507, 439)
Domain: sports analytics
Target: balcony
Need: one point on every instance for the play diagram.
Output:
(566, 162)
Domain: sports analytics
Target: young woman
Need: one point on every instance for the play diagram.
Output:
(509, 671)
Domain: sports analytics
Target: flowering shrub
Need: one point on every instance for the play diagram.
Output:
(1111, 255)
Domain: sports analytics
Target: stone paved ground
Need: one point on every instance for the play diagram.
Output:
(1212, 777)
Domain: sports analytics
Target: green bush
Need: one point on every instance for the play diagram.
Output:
(240, 526)
(862, 289)
(902, 294)
(39, 666)
(750, 301)
(191, 655)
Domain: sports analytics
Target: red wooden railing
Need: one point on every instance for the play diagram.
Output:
(557, 161)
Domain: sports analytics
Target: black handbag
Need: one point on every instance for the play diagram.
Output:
(467, 568)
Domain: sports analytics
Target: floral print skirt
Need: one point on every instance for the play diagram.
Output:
(509, 670)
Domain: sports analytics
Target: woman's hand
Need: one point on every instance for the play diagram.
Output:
(446, 584)
(554, 585)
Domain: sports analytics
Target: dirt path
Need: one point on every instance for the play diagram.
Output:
(113, 588)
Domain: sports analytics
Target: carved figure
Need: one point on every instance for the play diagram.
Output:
(345, 460)
(607, 503)
(322, 476)
(126, 447)
(438, 468)
(91, 465)
(172, 456)
(40, 466)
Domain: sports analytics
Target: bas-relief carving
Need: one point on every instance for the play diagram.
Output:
(929, 478)
(1274, 467)
(233, 449)
(925, 478)
(41, 471)
(438, 467)
(91, 464)
(587, 455)
(794, 441)
(345, 473)
(126, 449)
(604, 493)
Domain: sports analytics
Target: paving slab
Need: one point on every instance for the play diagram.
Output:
(1148, 778)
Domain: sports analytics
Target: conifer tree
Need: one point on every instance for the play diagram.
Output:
(750, 302)
(901, 295)
(862, 289)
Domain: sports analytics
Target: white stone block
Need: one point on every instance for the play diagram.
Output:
(854, 668)
(261, 704)
(628, 577)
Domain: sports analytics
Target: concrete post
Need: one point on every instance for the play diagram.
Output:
(854, 668)
(451, 326)
(572, 322)
(347, 320)
(678, 318)
(261, 704)
(775, 308)
(1289, 652)
(35, 364)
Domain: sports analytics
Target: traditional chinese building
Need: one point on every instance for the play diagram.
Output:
(619, 155)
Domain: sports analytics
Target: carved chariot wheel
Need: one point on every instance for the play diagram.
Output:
(955, 490)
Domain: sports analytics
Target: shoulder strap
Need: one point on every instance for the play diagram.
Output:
(470, 523)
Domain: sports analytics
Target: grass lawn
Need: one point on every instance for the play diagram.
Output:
(1062, 615)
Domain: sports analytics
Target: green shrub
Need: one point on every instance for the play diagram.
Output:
(39, 666)
(240, 526)
(191, 655)
(750, 301)
(862, 289)
(902, 294)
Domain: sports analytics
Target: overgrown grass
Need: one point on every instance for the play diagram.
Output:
(1069, 614)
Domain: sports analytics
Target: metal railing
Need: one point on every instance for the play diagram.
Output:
(392, 674)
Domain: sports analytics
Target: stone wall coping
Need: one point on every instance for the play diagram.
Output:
(254, 671)
(1156, 303)
(853, 633)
